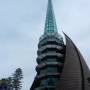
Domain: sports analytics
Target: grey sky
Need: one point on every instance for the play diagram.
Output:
(22, 23)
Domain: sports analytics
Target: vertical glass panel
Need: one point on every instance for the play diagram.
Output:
(43, 82)
(51, 69)
(42, 71)
(51, 60)
(52, 81)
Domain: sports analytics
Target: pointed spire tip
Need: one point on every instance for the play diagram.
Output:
(50, 24)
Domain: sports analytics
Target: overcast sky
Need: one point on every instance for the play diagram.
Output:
(22, 23)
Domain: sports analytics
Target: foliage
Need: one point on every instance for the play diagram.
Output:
(12, 83)
(17, 76)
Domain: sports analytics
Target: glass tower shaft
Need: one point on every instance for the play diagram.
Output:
(50, 54)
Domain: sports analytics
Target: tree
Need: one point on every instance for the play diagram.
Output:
(17, 77)
(3, 84)
(10, 83)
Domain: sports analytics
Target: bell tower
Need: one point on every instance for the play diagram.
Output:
(50, 52)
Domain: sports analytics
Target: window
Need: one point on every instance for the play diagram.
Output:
(51, 69)
(43, 82)
(49, 81)
(51, 89)
(51, 60)
(52, 81)
(42, 71)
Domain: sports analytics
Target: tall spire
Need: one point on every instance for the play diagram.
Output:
(50, 24)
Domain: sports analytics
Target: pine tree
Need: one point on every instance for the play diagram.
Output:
(10, 83)
(17, 77)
